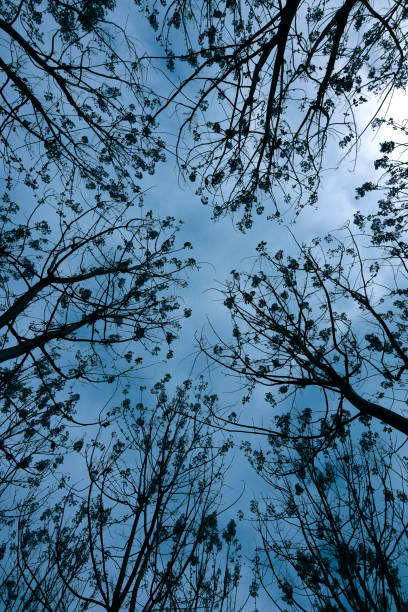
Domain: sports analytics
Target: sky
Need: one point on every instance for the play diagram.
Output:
(219, 247)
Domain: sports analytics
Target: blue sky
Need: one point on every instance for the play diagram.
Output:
(218, 248)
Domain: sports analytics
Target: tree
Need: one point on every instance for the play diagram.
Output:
(330, 317)
(269, 87)
(387, 224)
(333, 535)
(98, 278)
(87, 294)
(89, 278)
(139, 530)
(86, 273)
(82, 266)
(72, 91)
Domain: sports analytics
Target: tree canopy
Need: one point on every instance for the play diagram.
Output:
(73, 98)
(136, 531)
(119, 486)
(333, 534)
(270, 87)
(331, 318)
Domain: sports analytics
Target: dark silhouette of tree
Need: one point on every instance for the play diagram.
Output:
(277, 83)
(73, 96)
(387, 224)
(101, 278)
(89, 279)
(330, 317)
(89, 287)
(139, 529)
(87, 293)
(333, 534)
